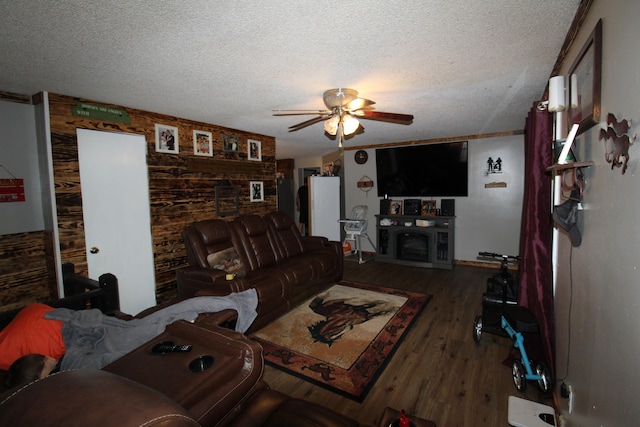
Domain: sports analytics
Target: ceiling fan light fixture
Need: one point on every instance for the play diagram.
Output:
(341, 118)
(331, 125)
(339, 97)
(350, 124)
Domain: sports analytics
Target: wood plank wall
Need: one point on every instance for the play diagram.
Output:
(181, 187)
(25, 269)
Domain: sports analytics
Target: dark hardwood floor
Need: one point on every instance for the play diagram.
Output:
(438, 372)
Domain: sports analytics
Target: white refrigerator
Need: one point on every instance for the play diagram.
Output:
(324, 206)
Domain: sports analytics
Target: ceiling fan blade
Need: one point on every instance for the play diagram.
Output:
(299, 112)
(403, 119)
(359, 104)
(308, 122)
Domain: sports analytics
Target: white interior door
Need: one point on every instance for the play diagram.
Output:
(115, 207)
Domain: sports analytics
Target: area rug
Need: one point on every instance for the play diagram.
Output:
(342, 338)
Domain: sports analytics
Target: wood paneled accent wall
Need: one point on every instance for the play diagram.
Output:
(181, 186)
(26, 273)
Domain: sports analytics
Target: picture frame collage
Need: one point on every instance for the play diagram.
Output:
(167, 141)
(427, 208)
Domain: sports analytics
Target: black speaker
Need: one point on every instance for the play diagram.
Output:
(384, 206)
(448, 207)
(412, 206)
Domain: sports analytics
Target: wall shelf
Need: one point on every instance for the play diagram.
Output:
(570, 165)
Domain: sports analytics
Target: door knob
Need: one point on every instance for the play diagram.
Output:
(94, 250)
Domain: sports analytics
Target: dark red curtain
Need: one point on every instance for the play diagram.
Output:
(536, 287)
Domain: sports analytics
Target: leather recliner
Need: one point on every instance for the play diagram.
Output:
(90, 398)
(103, 399)
(143, 388)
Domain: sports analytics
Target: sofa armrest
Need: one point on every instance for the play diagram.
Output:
(224, 319)
(99, 399)
(193, 279)
(315, 243)
(209, 393)
(201, 274)
(311, 243)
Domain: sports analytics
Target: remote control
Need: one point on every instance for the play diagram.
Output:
(170, 347)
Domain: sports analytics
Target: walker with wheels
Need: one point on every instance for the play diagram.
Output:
(508, 319)
(504, 282)
(502, 289)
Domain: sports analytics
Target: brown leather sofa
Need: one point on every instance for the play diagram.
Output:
(276, 260)
(90, 398)
(217, 383)
(143, 388)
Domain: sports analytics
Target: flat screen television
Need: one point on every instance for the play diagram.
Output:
(428, 170)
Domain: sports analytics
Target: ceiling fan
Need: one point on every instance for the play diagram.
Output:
(344, 108)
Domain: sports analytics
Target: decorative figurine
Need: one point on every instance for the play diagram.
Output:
(617, 141)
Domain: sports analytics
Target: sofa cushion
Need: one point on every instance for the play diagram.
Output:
(204, 238)
(254, 237)
(287, 234)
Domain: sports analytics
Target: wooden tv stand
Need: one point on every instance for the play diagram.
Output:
(402, 241)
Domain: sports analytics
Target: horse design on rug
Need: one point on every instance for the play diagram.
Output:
(341, 316)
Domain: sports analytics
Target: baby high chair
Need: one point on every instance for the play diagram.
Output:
(356, 227)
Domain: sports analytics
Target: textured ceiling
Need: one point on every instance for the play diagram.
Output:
(461, 67)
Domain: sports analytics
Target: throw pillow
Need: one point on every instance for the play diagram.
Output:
(227, 260)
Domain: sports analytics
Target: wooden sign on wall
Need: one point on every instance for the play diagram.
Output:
(12, 190)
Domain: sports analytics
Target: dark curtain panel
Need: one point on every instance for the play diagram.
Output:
(536, 287)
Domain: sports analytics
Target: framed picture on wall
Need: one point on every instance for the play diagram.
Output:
(395, 207)
(254, 150)
(202, 143)
(428, 208)
(229, 142)
(584, 83)
(166, 139)
(257, 191)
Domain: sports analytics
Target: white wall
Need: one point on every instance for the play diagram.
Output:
(19, 154)
(598, 283)
(487, 220)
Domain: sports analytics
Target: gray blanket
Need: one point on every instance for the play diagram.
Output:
(93, 340)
